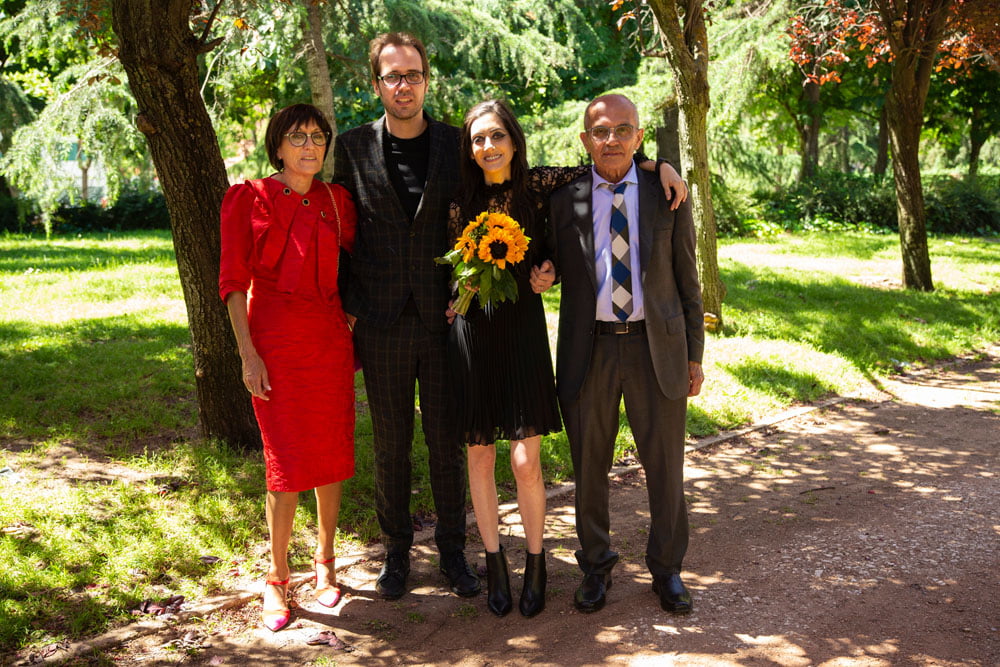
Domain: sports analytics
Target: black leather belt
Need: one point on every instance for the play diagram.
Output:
(638, 326)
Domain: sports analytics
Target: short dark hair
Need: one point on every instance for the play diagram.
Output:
(472, 175)
(396, 39)
(288, 119)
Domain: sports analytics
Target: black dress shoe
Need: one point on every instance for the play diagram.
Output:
(391, 582)
(674, 596)
(464, 582)
(590, 596)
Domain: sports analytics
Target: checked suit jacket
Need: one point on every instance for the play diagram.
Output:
(393, 257)
(669, 274)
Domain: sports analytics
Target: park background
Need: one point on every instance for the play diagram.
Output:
(114, 347)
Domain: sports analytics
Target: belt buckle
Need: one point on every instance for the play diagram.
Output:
(620, 327)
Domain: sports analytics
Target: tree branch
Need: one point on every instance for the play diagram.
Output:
(206, 47)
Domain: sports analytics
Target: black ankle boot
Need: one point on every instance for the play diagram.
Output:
(533, 593)
(498, 583)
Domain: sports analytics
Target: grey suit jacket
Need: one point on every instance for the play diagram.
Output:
(393, 258)
(675, 325)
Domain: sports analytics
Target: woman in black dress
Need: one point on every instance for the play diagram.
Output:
(501, 364)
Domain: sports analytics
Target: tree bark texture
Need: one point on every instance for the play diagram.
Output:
(319, 74)
(159, 53)
(882, 149)
(687, 55)
(809, 130)
(668, 138)
(977, 137)
(844, 150)
(914, 29)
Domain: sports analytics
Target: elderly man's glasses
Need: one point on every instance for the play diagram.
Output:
(622, 132)
(299, 138)
(392, 79)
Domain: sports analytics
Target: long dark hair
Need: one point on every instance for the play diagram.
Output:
(473, 184)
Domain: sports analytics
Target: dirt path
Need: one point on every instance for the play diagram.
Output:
(866, 533)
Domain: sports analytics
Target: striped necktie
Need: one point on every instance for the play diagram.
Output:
(621, 265)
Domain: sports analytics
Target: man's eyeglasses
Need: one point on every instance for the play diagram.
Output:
(622, 132)
(393, 79)
(299, 138)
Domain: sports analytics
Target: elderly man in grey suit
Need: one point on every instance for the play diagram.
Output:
(630, 325)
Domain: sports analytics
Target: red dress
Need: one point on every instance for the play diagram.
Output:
(283, 249)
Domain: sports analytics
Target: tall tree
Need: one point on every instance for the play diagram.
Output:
(160, 53)
(910, 34)
(319, 73)
(913, 29)
(685, 46)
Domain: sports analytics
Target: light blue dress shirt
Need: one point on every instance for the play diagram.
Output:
(601, 199)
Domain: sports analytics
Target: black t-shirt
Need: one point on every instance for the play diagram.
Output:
(406, 160)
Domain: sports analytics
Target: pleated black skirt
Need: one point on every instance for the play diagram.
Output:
(502, 371)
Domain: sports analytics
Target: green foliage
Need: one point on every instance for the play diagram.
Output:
(834, 201)
(89, 119)
(970, 207)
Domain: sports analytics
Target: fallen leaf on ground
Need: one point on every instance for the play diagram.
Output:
(171, 605)
(327, 638)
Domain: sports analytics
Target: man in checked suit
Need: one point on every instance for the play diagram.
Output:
(402, 171)
(630, 324)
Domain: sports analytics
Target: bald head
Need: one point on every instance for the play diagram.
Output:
(611, 135)
(598, 104)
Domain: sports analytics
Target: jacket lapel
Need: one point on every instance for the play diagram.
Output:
(647, 213)
(583, 220)
(383, 186)
(434, 161)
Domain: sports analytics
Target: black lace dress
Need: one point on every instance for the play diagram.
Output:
(501, 366)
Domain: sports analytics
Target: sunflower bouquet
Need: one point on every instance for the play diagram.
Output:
(481, 259)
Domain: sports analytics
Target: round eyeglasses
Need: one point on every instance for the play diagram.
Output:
(299, 138)
(393, 79)
(622, 132)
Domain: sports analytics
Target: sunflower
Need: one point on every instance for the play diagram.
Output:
(501, 220)
(501, 245)
(467, 246)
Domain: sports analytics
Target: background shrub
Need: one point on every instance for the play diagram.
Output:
(834, 200)
(134, 209)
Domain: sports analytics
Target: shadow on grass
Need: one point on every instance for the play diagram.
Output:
(115, 377)
(72, 255)
(779, 381)
(869, 327)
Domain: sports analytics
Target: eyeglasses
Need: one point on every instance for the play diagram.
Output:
(622, 132)
(299, 138)
(393, 79)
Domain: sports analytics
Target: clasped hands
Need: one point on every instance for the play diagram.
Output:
(542, 278)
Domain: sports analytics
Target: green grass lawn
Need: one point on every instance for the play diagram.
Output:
(111, 498)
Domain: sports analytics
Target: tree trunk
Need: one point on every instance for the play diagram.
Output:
(904, 133)
(810, 131)
(159, 54)
(844, 150)
(882, 150)
(84, 165)
(977, 137)
(319, 74)
(913, 29)
(687, 54)
(668, 137)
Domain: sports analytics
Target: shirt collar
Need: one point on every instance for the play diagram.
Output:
(630, 177)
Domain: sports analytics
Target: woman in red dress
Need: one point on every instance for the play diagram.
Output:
(281, 241)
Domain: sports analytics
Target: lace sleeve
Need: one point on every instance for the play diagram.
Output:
(455, 224)
(544, 180)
